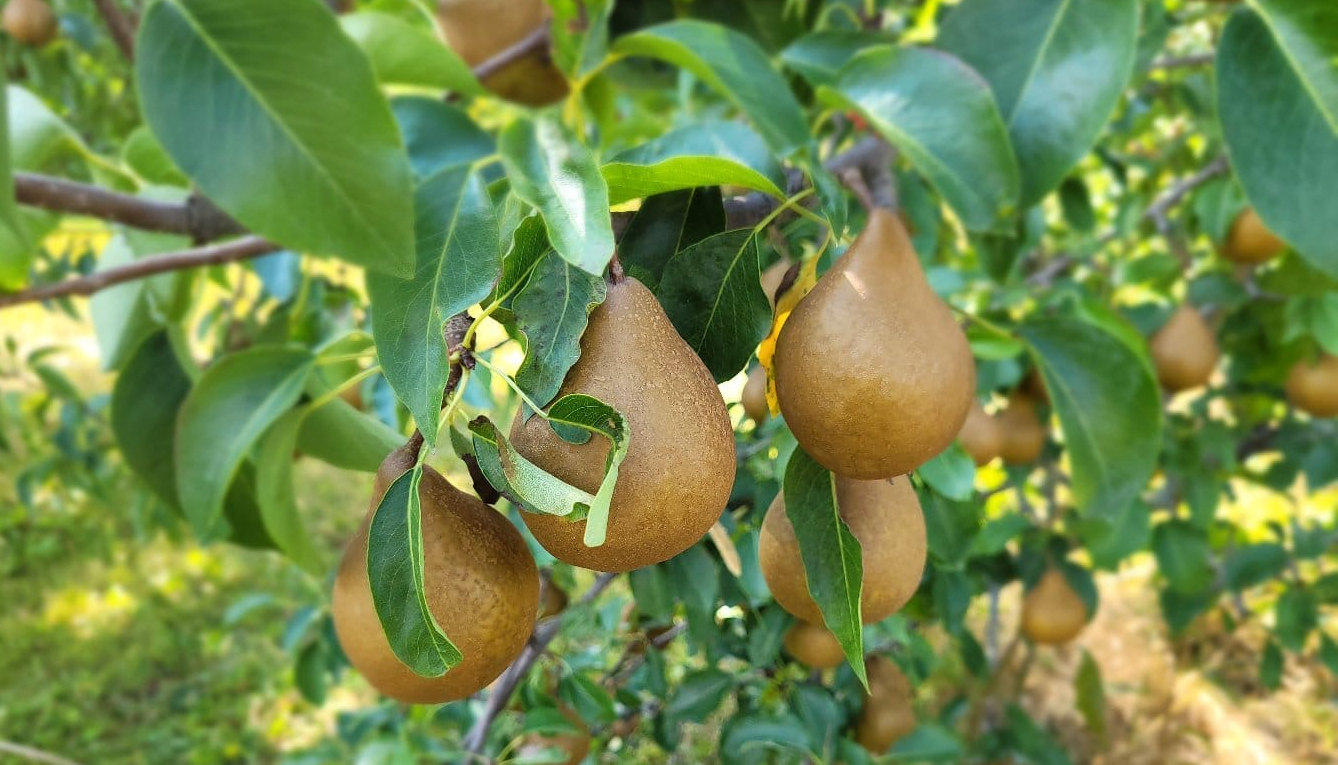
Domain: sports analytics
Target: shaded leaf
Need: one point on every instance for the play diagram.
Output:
(552, 311)
(665, 224)
(710, 153)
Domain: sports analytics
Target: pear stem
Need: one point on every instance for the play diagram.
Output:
(616, 275)
(854, 180)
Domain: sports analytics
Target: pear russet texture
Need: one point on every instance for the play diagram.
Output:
(1052, 613)
(481, 584)
(873, 373)
(1184, 351)
(885, 517)
(887, 716)
(679, 469)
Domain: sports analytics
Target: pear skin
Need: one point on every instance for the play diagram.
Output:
(873, 373)
(1184, 351)
(679, 469)
(887, 716)
(31, 22)
(885, 517)
(814, 646)
(1052, 613)
(981, 436)
(1250, 242)
(479, 29)
(1022, 430)
(1312, 386)
(482, 588)
(754, 398)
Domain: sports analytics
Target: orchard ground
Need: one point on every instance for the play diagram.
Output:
(169, 652)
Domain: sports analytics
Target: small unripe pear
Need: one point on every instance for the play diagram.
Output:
(814, 646)
(1184, 351)
(754, 398)
(981, 436)
(1312, 386)
(1023, 432)
(1250, 242)
(31, 22)
(1052, 613)
(887, 716)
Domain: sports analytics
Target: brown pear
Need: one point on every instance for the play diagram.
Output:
(873, 373)
(754, 397)
(981, 436)
(30, 22)
(1052, 613)
(1312, 386)
(478, 30)
(481, 583)
(1022, 430)
(813, 646)
(885, 517)
(575, 745)
(1033, 387)
(679, 469)
(887, 716)
(1184, 351)
(1249, 241)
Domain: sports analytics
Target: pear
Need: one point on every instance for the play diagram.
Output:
(874, 375)
(754, 397)
(885, 517)
(981, 436)
(1312, 386)
(1184, 351)
(478, 30)
(1022, 430)
(1052, 613)
(1033, 387)
(813, 646)
(481, 583)
(887, 716)
(679, 469)
(574, 745)
(552, 598)
(30, 22)
(1250, 242)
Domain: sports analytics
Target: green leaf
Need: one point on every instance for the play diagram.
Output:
(1255, 564)
(755, 733)
(274, 490)
(700, 694)
(819, 56)
(1182, 555)
(666, 224)
(1270, 666)
(1277, 99)
(951, 473)
(145, 399)
(950, 527)
(403, 54)
(148, 159)
(710, 153)
(929, 742)
(1296, 616)
(908, 95)
(832, 558)
(1057, 72)
(438, 135)
(1091, 695)
(15, 250)
(309, 672)
(1328, 653)
(731, 64)
(1109, 408)
(712, 294)
(527, 485)
(124, 314)
(552, 311)
(552, 170)
(1110, 541)
(235, 117)
(230, 408)
(342, 436)
(36, 134)
(396, 537)
(1032, 740)
(590, 414)
(458, 259)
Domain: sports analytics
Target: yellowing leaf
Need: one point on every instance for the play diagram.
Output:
(785, 304)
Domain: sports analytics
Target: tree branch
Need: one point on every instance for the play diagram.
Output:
(1178, 62)
(197, 217)
(36, 755)
(121, 26)
(514, 674)
(534, 42)
(227, 252)
(1159, 208)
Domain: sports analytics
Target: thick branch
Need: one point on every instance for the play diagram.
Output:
(197, 217)
(228, 252)
(121, 26)
(514, 674)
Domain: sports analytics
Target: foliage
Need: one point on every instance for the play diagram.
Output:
(1069, 175)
